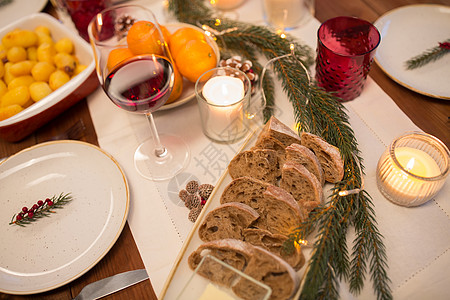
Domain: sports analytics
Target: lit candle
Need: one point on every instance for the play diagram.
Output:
(224, 94)
(411, 183)
(417, 162)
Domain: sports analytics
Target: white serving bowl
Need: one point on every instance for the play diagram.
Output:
(27, 121)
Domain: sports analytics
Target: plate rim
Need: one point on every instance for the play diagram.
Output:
(112, 242)
(397, 80)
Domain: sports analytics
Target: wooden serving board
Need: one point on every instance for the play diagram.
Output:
(181, 273)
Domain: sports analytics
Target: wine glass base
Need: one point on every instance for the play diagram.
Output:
(165, 167)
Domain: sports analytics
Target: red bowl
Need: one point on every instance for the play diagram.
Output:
(27, 121)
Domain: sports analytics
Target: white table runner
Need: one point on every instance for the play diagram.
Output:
(417, 239)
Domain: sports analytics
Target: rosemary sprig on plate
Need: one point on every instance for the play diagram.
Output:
(43, 208)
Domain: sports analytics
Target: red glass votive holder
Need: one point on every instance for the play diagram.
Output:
(345, 50)
(82, 11)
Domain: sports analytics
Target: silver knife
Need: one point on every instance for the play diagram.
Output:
(112, 284)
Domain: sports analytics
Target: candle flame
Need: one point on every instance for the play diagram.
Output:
(410, 164)
(298, 244)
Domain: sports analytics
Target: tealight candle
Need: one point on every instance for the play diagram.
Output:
(221, 101)
(413, 169)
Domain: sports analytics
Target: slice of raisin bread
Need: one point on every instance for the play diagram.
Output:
(328, 155)
(261, 164)
(302, 184)
(271, 270)
(254, 261)
(274, 243)
(229, 220)
(234, 252)
(244, 190)
(278, 210)
(278, 130)
(307, 158)
(269, 142)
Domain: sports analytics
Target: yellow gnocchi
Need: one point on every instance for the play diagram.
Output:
(19, 95)
(9, 111)
(32, 66)
(39, 90)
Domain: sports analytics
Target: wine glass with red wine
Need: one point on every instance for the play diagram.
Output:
(135, 70)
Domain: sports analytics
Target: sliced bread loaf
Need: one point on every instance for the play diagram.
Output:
(278, 210)
(304, 156)
(271, 270)
(278, 130)
(302, 184)
(234, 252)
(229, 220)
(328, 155)
(261, 164)
(274, 243)
(254, 261)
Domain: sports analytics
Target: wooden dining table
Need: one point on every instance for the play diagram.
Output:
(430, 114)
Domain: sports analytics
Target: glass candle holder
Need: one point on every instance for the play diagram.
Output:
(413, 169)
(287, 14)
(223, 96)
(345, 50)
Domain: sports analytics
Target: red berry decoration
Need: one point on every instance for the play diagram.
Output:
(40, 209)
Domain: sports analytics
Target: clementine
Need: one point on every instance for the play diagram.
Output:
(144, 38)
(177, 86)
(181, 37)
(195, 58)
(116, 56)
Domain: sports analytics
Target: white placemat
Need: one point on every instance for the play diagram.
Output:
(417, 239)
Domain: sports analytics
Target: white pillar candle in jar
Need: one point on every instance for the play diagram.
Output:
(413, 169)
(224, 95)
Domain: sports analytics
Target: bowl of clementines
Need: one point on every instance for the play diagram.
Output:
(45, 68)
(193, 53)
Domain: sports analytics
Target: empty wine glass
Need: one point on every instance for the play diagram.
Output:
(135, 70)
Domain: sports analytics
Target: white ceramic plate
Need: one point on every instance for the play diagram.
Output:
(188, 87)
(57, 249)
(19, 8)
(409, 31)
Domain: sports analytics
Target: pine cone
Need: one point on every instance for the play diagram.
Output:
(123, 24)
(193, 214)
(205, 190)
(192, 201)
(245, 66)
(183, 194)
(192, 186)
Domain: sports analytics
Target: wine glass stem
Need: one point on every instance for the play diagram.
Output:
(160, 150)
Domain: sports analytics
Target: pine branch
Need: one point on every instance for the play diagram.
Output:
(430, 55)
